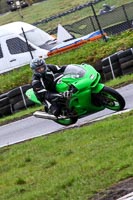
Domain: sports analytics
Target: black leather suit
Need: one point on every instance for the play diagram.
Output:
(46, 83)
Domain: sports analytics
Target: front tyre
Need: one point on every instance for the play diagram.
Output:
(111, 99)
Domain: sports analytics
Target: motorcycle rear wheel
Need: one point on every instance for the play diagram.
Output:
(111, 99)
(67, 121)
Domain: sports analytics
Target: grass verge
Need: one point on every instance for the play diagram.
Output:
(73, 164)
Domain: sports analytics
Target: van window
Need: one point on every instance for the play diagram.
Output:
(1, 53)
(16, 45)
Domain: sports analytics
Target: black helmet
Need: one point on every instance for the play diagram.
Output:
(38, 65)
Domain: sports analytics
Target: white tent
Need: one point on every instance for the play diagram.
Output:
(63, 34)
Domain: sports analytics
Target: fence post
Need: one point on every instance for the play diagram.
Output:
(125, 13)
(104, 37)
(111, 67)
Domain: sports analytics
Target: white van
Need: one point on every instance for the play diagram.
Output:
(16, 50)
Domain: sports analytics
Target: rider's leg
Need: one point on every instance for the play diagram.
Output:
(52, 104)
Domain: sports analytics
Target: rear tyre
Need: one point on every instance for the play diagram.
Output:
(111, 99)
(67, 121)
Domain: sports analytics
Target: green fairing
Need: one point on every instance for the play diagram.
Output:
(83, 82)
(81, 100)
(31, 95)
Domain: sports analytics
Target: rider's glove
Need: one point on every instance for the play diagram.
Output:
(67, 94)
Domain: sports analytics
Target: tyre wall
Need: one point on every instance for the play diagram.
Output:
(118, 64)
(14, 100)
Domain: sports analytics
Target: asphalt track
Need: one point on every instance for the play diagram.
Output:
(32, 127)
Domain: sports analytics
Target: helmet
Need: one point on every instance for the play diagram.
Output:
(38, 65)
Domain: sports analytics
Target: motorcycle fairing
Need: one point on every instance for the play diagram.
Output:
(86, 81)
(31, 95)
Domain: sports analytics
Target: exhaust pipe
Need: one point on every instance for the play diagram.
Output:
(44, 115)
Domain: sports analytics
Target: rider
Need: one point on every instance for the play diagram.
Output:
(44, 86)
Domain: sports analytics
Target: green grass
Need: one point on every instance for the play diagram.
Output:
(77, 163)
(45, 9)
(72, 164)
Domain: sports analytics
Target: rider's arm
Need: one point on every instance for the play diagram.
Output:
(38, 87)
(56, 68)
(40, 91)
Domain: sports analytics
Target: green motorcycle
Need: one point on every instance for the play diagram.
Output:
(88, 95)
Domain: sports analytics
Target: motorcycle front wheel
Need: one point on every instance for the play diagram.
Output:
(111, 99)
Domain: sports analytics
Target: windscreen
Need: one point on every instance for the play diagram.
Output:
(74, 71)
